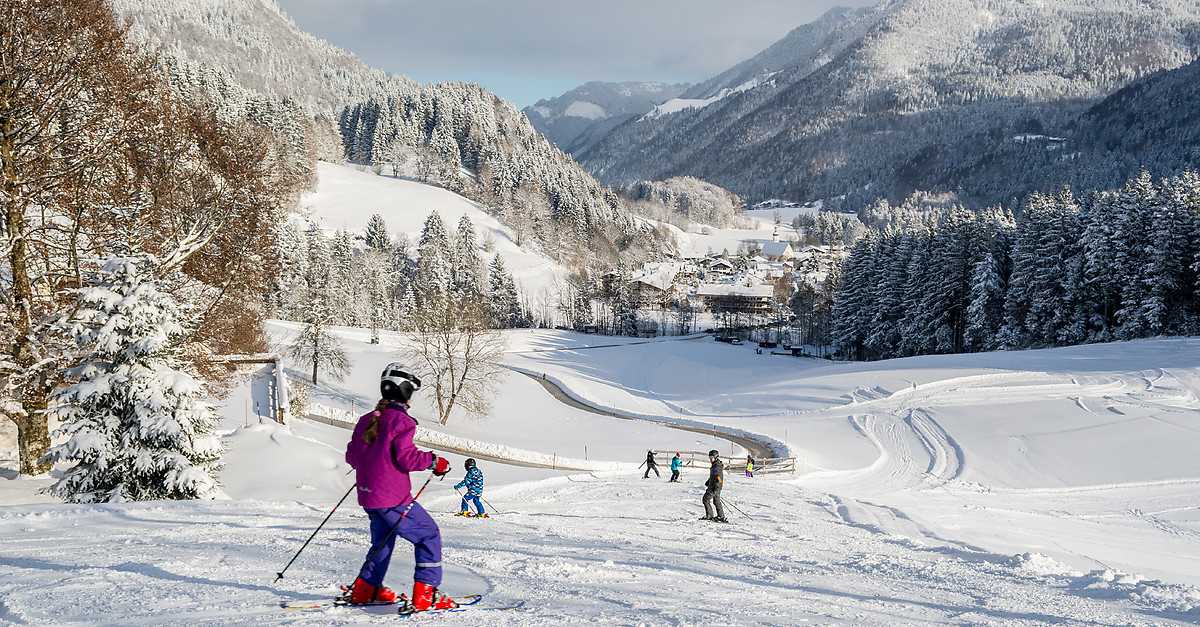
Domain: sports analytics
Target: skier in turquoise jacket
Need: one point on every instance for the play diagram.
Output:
(676, 464)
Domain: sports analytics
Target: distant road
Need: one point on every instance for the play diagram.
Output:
(755, 448)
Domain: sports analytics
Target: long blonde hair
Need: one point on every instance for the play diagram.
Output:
(372, 430)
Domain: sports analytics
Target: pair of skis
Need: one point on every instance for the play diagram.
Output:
(404, 610)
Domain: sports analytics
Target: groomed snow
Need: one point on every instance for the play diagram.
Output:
(1084, 454)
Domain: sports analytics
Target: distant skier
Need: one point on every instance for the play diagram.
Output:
(382, 454)
(650, 464)
(473, 482)
(712, 493)
(749, 466)
(676, 464)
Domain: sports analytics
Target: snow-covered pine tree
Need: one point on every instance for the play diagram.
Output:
(1164, 284)
(1100, 295)
(1134, 209)
(288, 286)
(1020, 296)
(503, 300)
(895, 252)
(913, 340)
(1051, 310)
(345, 285)
(377, 282)
(986, 309)
(434, 270)
(137, 424)
(852, 306)
(1189, 182)
(468, 267)
(376, 235)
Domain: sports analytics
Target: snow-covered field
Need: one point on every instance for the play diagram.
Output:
(347, 196)
(1040, 487)
(758, 227)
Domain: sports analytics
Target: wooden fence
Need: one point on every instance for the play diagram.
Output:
(699, 459)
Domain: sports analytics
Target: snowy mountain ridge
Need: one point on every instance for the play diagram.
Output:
(580, 117)
(904, 94)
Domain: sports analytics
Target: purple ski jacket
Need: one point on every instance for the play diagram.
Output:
(382, 466)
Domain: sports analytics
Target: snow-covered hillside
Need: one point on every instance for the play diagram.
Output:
(1025, 488)
(1080, 453)
(347, 196)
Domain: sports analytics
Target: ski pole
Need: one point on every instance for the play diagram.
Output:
(279, 575)
(391, 532)
(485, 501)
(737, 509)
(490, 506)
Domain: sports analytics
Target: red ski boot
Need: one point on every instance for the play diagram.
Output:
(425, 597)
(363, 593)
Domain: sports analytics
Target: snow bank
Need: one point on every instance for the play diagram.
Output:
(1113, 584)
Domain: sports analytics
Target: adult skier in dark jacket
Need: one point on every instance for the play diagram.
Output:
(650, 464)
(712, 493)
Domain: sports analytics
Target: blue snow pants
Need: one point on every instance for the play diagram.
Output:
(419, 529)
(474, 498)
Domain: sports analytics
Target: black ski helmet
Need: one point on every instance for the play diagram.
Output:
(469, 464)
(397, 384)
(714, 453)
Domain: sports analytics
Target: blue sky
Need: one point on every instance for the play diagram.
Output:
(525, 50)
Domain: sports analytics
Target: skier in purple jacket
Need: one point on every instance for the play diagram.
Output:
(383, 454)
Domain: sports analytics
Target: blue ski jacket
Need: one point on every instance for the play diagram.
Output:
(473, 482)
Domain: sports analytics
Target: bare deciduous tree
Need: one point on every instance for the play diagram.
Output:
(457, 354)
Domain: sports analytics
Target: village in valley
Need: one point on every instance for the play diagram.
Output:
(768, 291)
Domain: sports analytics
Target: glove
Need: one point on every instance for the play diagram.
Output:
(440, 466)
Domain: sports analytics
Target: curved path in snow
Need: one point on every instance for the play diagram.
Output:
(758, 448)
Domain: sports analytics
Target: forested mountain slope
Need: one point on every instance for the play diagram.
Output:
(455, 135)
(259, 46)
(910, 103)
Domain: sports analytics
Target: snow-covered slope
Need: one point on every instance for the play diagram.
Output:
(1080, 453)
(347, 196)
(1024, 488)
(601, 551)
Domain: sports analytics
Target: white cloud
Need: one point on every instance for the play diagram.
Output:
(522, 47)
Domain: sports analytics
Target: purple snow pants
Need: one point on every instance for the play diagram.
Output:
(418, 527)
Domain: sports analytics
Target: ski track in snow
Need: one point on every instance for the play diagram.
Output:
(881, 544)
(603, 552)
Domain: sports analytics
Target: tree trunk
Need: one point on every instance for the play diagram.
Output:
(33, 439)
(314, 370)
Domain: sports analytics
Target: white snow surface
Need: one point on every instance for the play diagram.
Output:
(586, 110)
(676, 105)
(1024, 488)
(347, 196)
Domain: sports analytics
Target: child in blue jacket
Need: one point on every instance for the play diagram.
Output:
(473, 482)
